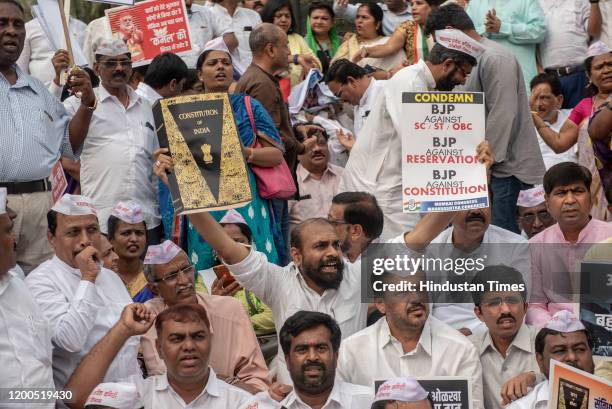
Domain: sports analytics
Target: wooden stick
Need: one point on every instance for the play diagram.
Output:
(66, 33)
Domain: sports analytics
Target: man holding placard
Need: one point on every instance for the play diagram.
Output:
(37, 130)
(375, 164)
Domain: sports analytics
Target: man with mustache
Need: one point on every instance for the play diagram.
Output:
(374, 165)
(556, 251)
(184, 341)
(235, 353)
(116, 161)
(506, 349)
(79, 298)
(310, 342)
(25, 338)
(533, 216)
(317, 180)
(316, 280)
(407, 340)
(564, 339)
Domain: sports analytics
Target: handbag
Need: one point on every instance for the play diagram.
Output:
(275, 182)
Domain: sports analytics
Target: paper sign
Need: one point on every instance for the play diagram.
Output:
(151, 27)
(446, 392)
(117, 2)
(572, 388)
(596, 303)
(58, 181)
(440, 169)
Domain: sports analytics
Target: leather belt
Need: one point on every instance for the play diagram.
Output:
(19, 188)
(563, 71)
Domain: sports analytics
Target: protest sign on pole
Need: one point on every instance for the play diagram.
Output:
(572, 388)
(151, 27)
(440, 169)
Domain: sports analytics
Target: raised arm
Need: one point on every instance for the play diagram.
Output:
(135, 319)
(211, 231)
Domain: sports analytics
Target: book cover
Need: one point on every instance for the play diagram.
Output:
(200, 132)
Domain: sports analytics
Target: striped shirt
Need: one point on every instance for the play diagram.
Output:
(34, 130)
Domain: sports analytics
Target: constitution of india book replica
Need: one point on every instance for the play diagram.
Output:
(210, 172)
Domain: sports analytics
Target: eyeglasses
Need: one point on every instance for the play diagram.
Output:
(114, 63)
(497, 302)
(335, 222)
(171, 278)
(543, 215)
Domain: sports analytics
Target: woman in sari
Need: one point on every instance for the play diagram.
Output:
(408, 36)
(368, 27)
(127, 232)
(321, 34)
(216, 73)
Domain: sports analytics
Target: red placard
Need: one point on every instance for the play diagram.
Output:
(58, 181)
(151, 27)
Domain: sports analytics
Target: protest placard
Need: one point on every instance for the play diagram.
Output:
(572, 388)
(446, 392)
(440, 169)
(151, 27)
(209, 168)
(596, 303)
(58, 181)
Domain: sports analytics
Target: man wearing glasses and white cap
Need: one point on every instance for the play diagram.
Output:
(25, 337)
(116, 162)
(533, 216)
(402, 393)
(566, 340)
(80, 299)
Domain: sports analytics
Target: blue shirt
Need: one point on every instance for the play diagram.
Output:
(34, 130)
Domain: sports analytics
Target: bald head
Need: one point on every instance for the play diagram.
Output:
(262, 35)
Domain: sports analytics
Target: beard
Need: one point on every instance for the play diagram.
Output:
(313, 385)
(325, 280)
(447, 83)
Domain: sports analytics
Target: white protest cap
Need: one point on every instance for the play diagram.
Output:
(75, 205)
(598, 48)
(130, 212)
(3, 200)
(231, 217)
(119, 395)
(531, 197)
(459, 41)
(111, 47)
(161, 253)
(565, 321)
(405, 389)
(216, 44)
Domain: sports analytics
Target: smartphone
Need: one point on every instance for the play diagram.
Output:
(223, 274)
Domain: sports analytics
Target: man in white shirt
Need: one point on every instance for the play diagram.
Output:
(533, 216)
(374, 165)
(350, 83)
(164, 78)
(318, 182)
(185, 337)
(570, 25)
(566, 340)
(25, 336)
(316, 280)
(546, 99)
(80, 299)
(395, 12)
(506, 349)
(407, 340)
(310, 341)
(243, 21)
(35, 58)
(116, 161)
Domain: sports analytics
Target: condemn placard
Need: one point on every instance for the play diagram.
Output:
(440, 169)
(151, 27)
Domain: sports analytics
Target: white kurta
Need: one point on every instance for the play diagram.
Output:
(25, 341)
(284, 290)
(536, 399)
(366, 104)
(80, 313)
(343, 395)
(374, 354)
(375, 162)
(497, 370)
